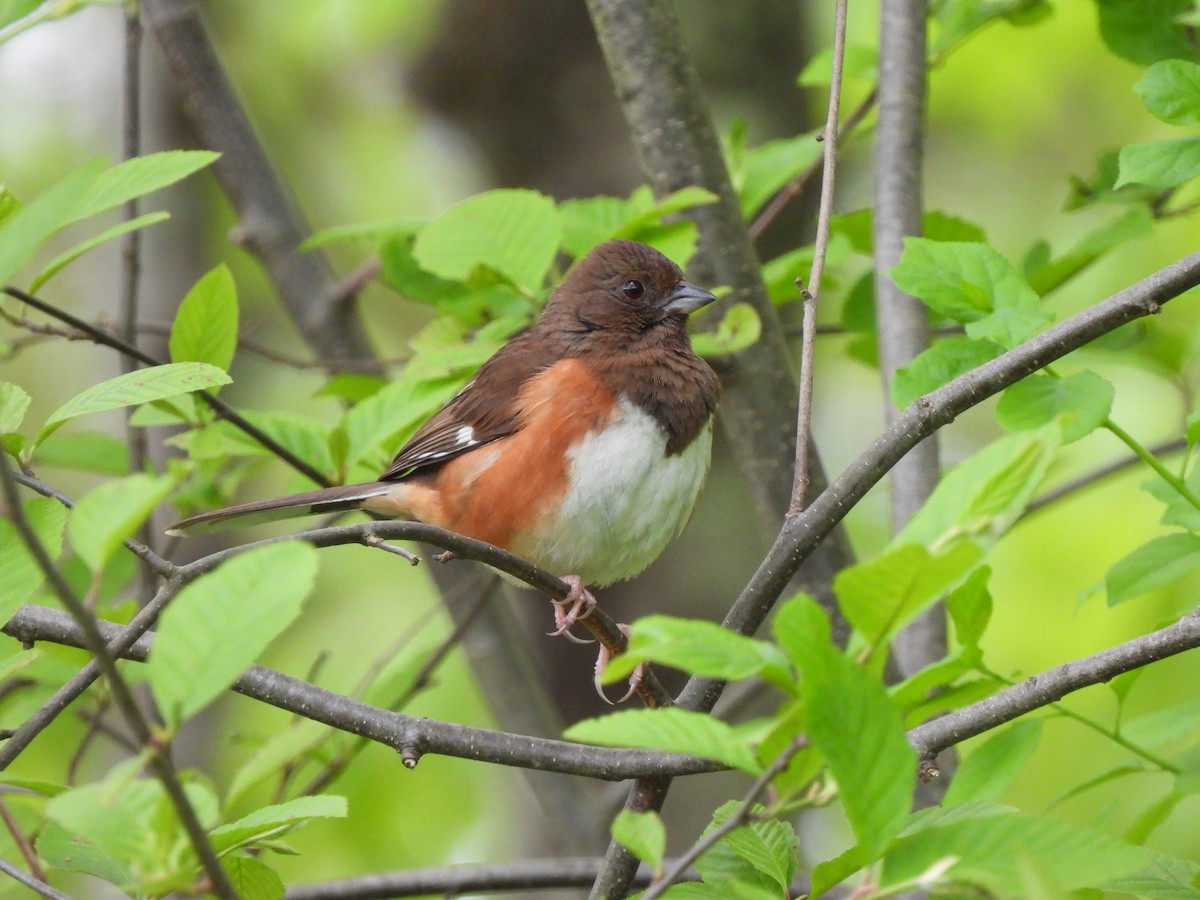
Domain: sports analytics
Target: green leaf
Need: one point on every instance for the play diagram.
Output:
(141, 175)
(401, 272)
(738, 329)
(993, 851)
(860, 735)
(20, 575)
(114, 818)
(701, 648)
(643, 835)
(277, 755)
(1160, 164)
(274, 821)
(108, 515)
(959, 19)
(25, 230)
(1171, 91)
(983, 495)
(207, 638)
(132, 388)
(1080, 403)
(87, 451)
(206, 324)
(970, 607)
(1156, 564)
(14, 403)
(858, 61)
(770, 845)
(941, 363)
(69, 256)
(590, 221)
(767, 168)
(1179, 510)
(1163, 879)
(672, 729)
(880, 596)
(971, 283)
(1046, 275)
(69, 852)
(993, 767)
(253, 879)
(1145, 31)
(381, 230)
(514, 232)
(1099, 188)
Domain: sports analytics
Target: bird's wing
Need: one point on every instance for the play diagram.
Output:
(486, 409)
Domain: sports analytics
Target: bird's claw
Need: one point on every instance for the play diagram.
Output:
(576, 606)
(602, 661)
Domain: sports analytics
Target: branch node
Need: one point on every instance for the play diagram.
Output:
(928, 771)
(409, 755)
(371, 539)
(445, 556)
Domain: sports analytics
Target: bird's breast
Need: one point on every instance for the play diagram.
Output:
(625, 499)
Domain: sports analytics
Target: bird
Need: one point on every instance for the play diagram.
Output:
(581, 445)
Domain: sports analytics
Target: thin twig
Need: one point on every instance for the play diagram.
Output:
(159, 760)
(795, 187)
(736, 820)
(808, 344)
(220, 407)
(22, 841)
(36, 885)
(1087, 480)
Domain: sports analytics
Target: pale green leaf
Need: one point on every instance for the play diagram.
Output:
(206, 324)
(514, 232)
(14, 403)
(87, 451)
(1156, 564)
(132, 388)
(70, 852)
(983, 495)
(880, 596)
(861, 737)
(769, 845)
(114, 817)
(970, 607)
(767, 168)
(858, 61)
(672, 729)
(284, 747)
(219, 624)
(138, 176)
(701, 648)
(991, 852)
(106, 516)
(994, 766)
(1045, 274)
(971, 283)
(1160, 164)
(738, 329)
(274, 821)
(381, 230)
(1080, 403)
(1164, 879)
(20, 575)
(642, 834)
(943, 362)
(253, 879)
(71, 254)
(1145, 31)
(25, 230)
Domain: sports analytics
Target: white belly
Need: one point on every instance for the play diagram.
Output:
(626, 502)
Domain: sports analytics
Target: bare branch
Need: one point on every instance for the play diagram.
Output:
(411, 736)
(453, 881)
(813, 292)
(35, 885)
(94, 642)
(1052, 685)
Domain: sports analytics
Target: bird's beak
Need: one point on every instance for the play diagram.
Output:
(686, 298)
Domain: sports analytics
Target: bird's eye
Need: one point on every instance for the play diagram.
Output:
(633, 289)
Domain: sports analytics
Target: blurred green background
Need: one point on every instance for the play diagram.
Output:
(396, 110)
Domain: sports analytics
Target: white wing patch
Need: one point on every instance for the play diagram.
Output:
(466, 436)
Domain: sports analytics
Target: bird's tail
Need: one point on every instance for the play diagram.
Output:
(326, 500)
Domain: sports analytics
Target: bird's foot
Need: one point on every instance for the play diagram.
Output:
(602, 661)
(577, 605)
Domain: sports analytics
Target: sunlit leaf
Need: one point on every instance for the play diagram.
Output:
(206, 323)
(1158, 563)
(673, 729)
(1080, 403)
(642, 834)
(106, 516)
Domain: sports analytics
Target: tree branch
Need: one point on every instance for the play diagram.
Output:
(269, 225)
(802, 534)
(1052, 685)
(411, 736)
(92, 640)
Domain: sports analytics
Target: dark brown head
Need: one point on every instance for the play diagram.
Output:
(624, 290)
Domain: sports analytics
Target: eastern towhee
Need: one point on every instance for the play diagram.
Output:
(580, 445)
